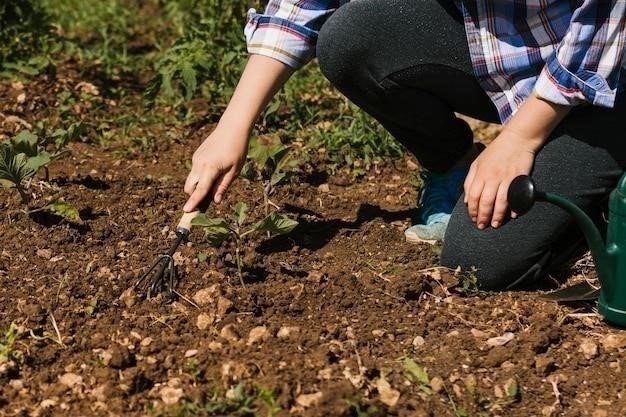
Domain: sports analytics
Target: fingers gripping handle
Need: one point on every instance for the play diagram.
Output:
(184, 225)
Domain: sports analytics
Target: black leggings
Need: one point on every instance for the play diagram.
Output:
(406, 63)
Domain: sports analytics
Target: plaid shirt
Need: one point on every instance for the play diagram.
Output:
(567, 52)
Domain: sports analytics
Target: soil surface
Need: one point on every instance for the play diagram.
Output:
(340, 317)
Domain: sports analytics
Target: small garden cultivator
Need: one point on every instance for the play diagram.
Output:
(162, 274)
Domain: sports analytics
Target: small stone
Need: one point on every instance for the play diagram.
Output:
(418, 341)
(478, 334)
(191, 353)
(500, 340)
(599, 412)
(146, 342)
(453, 333)
(544, 365)
(614, 341)
(129, 297)
(436, 383)
(223, 306)
(16, 384)
(588, 348)
(323, 188)
(286, 331)
(44, 253)
(378, 333)
(49, 403)
(215, 346)
(170, 396)
(204, 321)
(70, 380)
(258, 334)
(315, 276)
(309, 400)
(388, 395)
(205, 296)
(230, 333)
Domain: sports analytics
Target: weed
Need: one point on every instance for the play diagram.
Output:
(468, 282)
(238, 402)
(25, 38)
(219, 230)
(416, 374)
(26, 153)
(8, 353)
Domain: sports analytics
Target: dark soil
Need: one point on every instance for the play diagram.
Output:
(327, 318)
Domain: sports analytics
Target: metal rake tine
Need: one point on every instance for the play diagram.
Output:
(147, 274)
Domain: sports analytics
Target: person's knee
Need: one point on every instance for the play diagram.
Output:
(342, 49)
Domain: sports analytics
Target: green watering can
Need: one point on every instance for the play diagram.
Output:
(609, 258)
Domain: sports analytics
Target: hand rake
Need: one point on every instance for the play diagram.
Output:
(162, 273)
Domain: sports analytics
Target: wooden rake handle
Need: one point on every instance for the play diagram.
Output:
(184, 225)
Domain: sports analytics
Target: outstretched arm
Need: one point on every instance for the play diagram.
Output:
(217, 162)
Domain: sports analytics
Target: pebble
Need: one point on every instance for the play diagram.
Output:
(191, 353)
(230, 333)
(309, 400)
(588, 348)
(70, 380)
(258, 334)
(223, 306)
(436, 383)
(170, 396)
(418, 341)
(544, 365)
(286, 331)
(204, 321)
(205, 296)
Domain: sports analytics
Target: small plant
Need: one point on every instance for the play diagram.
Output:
(269, 162)
(416, 374)
(9, 356)
(219, 230)
(238, 402)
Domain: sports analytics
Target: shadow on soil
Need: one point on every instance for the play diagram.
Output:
(314, 232)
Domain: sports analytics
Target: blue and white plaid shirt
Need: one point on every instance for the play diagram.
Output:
(567, 52)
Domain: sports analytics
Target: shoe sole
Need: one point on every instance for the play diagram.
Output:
(417, 240)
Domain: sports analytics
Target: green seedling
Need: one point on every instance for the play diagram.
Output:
(239, 402)
(8, 353)
(269, 162)
(219, 230)
(416, 374)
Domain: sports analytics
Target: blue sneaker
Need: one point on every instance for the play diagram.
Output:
(436, 201)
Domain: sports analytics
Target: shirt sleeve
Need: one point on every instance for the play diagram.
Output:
(287, 30)
(586, 65)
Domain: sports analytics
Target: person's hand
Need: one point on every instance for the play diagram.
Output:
(215, 164)
(490, 175)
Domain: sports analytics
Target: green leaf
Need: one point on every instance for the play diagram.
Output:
(241, 212)
(216, 230)
(415, 372)
(13, 166)
(66, 210)
(25, 142)
(39, 161)
(275, 223)
(248, 172)
(190, 82)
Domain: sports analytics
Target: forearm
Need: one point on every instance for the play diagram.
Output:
(260, 81)
(535, 120)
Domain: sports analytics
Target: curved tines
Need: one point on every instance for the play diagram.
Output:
(162, 273)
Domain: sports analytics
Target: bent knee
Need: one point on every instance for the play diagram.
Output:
(344, 46)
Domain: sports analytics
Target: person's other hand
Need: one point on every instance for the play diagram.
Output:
(490, 175)
(215, 164)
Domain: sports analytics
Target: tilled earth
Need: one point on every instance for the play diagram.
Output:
(340, 317)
